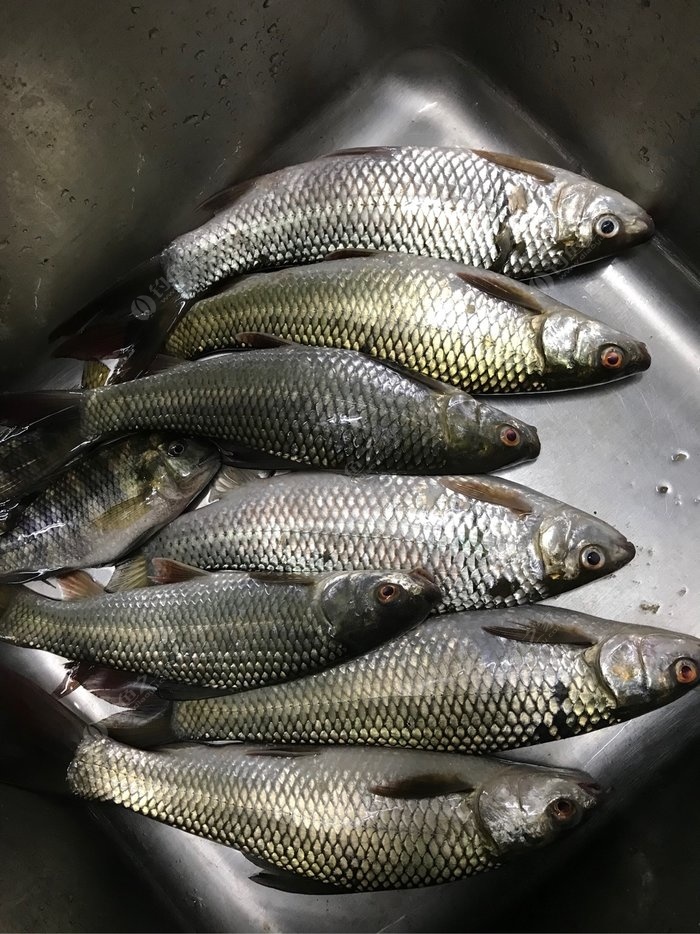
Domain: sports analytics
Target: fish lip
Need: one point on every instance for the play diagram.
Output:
(644, 361)
(628, 551)
(641, 228)
(431, 591)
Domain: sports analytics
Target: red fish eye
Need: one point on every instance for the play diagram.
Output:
(612, 358)
(562, 809)
(388, 593)
(510, 436)
(686, 671)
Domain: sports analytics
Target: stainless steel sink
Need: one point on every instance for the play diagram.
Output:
(115, 127)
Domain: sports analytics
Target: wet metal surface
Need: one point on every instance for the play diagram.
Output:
(629, 452)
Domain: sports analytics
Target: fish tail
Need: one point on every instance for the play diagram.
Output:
(131, 574)
(129, 322)
(39, 733)
(51, 438)
(147, 721)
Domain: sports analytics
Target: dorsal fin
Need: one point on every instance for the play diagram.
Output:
(281, 577)
(505, 289)
(381, 152)
(542, 632)
(227, 197)
(487, 491)
(352, 254)
(258, 341)
(537, 170)
(420, 378)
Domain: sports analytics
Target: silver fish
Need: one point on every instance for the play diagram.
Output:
(486, 542)
(224, 630)
(485, 209)
(305, 406)
(473, 329)
(104, 505)
(476, 683)
(357, 820)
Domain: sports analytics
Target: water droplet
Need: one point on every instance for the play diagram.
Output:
(679, 456)
(683, 591)
(135, 9)
(266, 4)
(199, 55)
(153, 32)
(193, 118)
(663, 488)
(223, 81)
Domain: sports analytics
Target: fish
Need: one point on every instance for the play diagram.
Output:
(225, 631)
(500, 212)
(104, 505)
(478, 683)
(486, 542)
(328, 820)
(476, 330)
(299, 406)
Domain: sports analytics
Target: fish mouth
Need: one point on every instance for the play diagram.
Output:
(627, 552)
(640, 228)
(431, 591)
(643, 358)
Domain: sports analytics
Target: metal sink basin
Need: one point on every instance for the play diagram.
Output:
(114, 128)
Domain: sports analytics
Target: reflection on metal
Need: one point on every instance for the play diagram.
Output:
(607, 450)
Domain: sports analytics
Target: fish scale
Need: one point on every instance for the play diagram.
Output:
(222, 631)
(481, 553)
(447, 322)
(104, 504)
(445, 686)
(327, 408)
(442, 202)
(322, 813)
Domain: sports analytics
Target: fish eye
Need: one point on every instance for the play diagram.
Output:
(612, 357)
(510, 436)
(562, 809)
(592, 558)
(176, 448)
(607, 225)
(685, 670)
(387, 593)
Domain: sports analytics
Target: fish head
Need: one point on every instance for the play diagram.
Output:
(528, 807)
(184, 465)
(363, 608)
(575, 548)
(649, 667)
(593, 221)
(580, 351)
(481, 438)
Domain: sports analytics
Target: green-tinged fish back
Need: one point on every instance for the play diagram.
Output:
(223, 631)
(411, 311)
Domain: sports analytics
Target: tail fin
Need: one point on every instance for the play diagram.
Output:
(145, 722)
(52, 438)
(130, 322)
